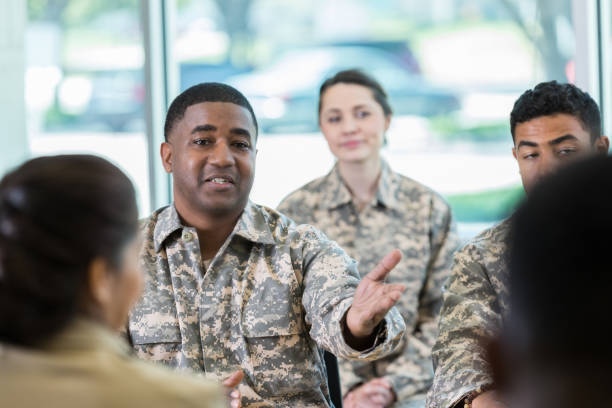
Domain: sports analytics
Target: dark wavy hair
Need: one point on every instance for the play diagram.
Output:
(550, 98)
(560, 281)
(205, 92)
(56, 215)
(358, 77)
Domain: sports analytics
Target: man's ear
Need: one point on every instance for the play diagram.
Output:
(602, 144)
(514, 153)
(166, 151)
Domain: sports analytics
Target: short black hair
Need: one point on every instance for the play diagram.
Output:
(550, 98)
(358, 77)
(560, 269)
(57, 214)
(205, 92)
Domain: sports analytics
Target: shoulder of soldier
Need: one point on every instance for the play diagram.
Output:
(305, 197)
(284, 228)
(490, 241)
(173, 388)
(147, 224)
(413, 191)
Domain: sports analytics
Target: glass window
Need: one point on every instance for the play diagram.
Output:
(453, 69)
(84, 83)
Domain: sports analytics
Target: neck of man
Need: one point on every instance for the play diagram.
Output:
(361, 177)
(212, 228)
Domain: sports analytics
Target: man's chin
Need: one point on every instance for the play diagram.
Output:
(223, 207)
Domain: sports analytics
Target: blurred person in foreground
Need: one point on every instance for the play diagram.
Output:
(552, 352)
(233, 285)
(369, 210)
(68, 276)
(552, 125)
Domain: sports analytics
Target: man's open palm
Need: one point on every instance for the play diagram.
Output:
(373, 297)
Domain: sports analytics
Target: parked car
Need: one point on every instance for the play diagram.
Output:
(109, 100)
(284, 92)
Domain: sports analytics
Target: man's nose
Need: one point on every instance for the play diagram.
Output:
(221, 155)
(548, 165)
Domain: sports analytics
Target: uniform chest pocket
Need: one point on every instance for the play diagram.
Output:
(272, 305)
(283, 358)
(157, 342)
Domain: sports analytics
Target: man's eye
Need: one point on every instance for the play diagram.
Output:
(530, 156)
(363, 114)
(565, 152)
(242, 145)
(202, 142)
(333, 119)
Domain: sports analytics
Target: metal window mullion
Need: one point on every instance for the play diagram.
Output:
(160, 80)
(605, 62)
(584, 13)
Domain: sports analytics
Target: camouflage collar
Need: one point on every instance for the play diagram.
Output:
(251, 225)
(335, 193)
(254, 226)
(168, 221)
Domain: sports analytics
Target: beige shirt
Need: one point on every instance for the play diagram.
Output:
(88, 366)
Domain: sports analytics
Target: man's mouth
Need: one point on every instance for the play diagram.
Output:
(222, 180)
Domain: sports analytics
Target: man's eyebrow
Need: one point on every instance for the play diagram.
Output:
(562, 139)
(527, 144)
(240, 132)
(203, 128)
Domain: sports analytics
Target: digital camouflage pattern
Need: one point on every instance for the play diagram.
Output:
(404, 215)
(88, 366)
(475, 305)
(272, 297)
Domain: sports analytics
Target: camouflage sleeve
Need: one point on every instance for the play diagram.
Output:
(330, 281)
(411, 373)
(469, 316)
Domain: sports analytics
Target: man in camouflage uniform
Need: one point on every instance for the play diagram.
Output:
(404, 215)
(551, 125)
(232, 285)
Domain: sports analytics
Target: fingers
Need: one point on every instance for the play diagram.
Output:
(382, 381)
(395, 287)
(234, 379)
(385, 266)
(377, 393)
(389, 298)
(235, 399)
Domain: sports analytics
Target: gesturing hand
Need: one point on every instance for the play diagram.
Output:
(230, 383)
(373, 298)
(376, 393)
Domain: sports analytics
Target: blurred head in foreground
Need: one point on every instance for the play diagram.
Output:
(67, 247)
(554, 352)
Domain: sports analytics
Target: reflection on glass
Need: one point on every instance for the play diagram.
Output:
(453, 69)
(85, 84)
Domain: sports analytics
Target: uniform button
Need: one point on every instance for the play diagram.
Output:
(187, 236)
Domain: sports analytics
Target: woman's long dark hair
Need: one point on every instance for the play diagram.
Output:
(56, 215)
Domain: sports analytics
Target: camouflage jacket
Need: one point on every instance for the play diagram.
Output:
(475, 304)
(274, 295)
(404, 215)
